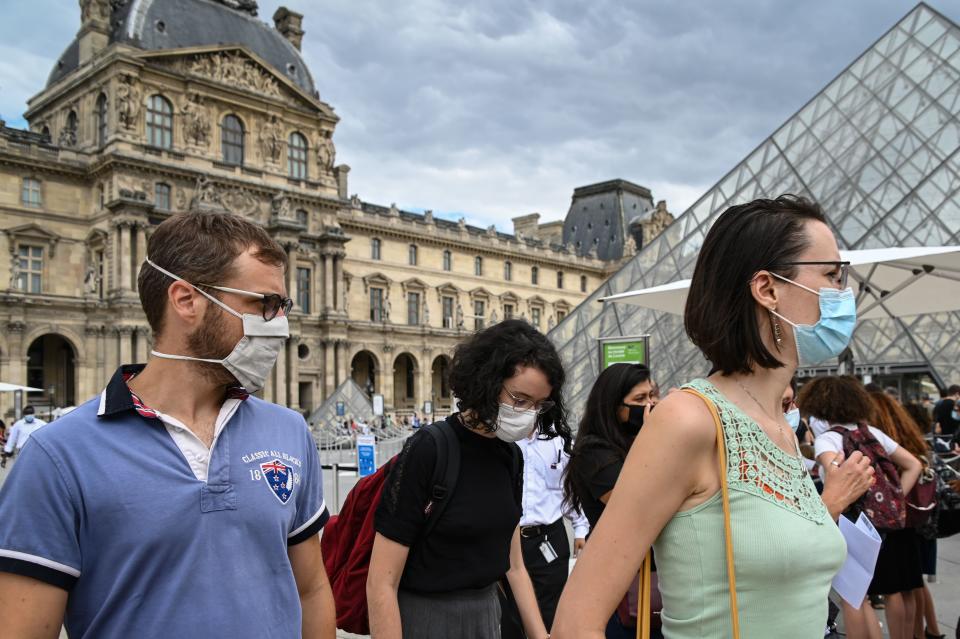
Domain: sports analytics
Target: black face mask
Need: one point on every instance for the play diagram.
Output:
(635, 419)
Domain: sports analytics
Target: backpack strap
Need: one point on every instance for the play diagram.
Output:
(445, 472)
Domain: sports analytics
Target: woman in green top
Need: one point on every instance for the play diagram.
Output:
(768, 294)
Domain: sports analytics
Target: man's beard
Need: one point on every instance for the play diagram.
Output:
(208, 342)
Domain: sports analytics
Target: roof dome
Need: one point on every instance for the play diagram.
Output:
(156, 25)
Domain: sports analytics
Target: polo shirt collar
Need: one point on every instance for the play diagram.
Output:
(118, 398)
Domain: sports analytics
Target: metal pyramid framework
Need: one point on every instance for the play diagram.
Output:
(877, 148)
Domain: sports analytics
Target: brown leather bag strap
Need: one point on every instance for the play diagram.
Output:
(725, 496)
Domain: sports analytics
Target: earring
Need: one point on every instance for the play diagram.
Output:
(777, 332)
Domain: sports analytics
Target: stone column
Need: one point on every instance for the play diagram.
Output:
(293, 358)
(126, 344)
(89, 378)
(102, 374)
(116, 242)
(386, 376)
(14, 364)
(328, 282)
(343, 360)
(141, 252)
(329, 377)
(143, 350)
(321, 280)
(337, 283)
(291, 249)
(124, 257)
(111, 339)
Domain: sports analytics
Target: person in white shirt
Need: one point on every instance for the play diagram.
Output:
(20, 432)
(543, 536)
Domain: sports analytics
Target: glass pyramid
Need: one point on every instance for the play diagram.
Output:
(877, 148)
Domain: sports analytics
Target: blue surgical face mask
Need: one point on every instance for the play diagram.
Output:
(832, 333)
(28, 418)
(793, 418)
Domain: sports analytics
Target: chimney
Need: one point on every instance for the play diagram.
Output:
(526, 225)
(94, 34)
(288, 23)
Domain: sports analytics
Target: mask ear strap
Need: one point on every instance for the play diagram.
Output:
(201, 291)
(789, 281)
(773, 312)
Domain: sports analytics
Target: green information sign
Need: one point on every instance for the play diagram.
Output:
(623, 350)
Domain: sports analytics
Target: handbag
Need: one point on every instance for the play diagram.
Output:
(643, 624)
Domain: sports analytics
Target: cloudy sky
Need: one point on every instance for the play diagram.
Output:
(500, 108)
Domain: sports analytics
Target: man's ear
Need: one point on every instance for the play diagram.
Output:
(764, 290)
(185, 302)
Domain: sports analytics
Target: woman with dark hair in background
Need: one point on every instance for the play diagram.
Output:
(507, 380)
(896, 422)
(844, 403)
(620, 400)
(768, 295)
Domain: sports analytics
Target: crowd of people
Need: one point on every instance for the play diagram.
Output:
(708, 511)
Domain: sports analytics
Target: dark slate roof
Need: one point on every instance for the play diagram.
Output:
(156, 25)
(600, 216)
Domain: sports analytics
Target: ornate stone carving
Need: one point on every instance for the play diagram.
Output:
(196, 121)
(68, 134)
(128, 101)
(280, 206)
(241, 201)
(659, 220)
(14, 272)
(16, 326)
(94, 10)
(235, 70)
(181, 200)
(91, 281)
(326, 152)
(394, 211)
(355, 202)
(271, 140)
(206, 195)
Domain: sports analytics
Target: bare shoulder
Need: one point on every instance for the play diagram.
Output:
(684, 419)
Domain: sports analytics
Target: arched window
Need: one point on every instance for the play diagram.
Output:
(478, 266)
(101, 117)
(159, 122)
(535, 275)
(231, 140)
(507, 271)
(375, 248)
(72, 120)
(412, 255)
(447, 260)
(297, 156)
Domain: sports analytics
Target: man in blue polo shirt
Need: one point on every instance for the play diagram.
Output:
(175, 504)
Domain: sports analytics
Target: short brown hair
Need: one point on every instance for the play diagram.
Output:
(200, 248)
(720, 316)
(838, 400)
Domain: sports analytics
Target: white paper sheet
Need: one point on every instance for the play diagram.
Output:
(863, 546)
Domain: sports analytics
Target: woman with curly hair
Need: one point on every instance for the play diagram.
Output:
(898, 423)
(508, 381)
(846, 407)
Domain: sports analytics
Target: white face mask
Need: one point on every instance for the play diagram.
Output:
(513, 425)
(254, 356)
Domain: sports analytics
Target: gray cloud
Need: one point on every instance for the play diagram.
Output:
(501, 108)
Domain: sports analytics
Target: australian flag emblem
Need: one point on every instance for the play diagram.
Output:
(279, 478)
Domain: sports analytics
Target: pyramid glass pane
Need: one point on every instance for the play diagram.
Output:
(878, 148)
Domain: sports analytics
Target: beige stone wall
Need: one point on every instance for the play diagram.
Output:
(98, 211)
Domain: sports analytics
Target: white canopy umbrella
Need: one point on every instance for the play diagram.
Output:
(9, 388)
(889, 282)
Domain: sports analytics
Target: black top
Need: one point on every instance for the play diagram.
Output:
(601, 482)
(941, 413)
(470, 546)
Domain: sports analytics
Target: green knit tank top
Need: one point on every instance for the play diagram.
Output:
(786, 547)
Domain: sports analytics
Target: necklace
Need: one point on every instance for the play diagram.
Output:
(757, 401)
